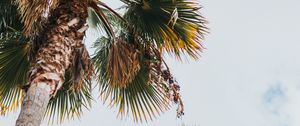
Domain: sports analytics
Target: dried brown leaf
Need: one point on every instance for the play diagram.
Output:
(33, 12)
(123, 63)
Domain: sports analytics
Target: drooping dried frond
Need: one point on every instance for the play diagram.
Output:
(176, 26)
(34, 13)
(123, 63)
(81, 68)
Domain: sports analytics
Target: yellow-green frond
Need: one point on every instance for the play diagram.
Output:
(14, 65)
(11, 100)
(176, 26)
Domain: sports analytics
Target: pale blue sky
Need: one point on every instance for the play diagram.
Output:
(247, 76)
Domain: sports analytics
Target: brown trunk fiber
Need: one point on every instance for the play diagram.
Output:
(62, 35)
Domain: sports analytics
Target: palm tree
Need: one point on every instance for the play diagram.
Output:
(46, 69)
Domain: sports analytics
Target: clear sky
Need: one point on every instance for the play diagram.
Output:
(249, 75)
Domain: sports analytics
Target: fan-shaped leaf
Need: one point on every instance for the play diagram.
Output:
(143, 98)
(13, 69)
(34, 12)
(98, 21)
(176, 26)
(123, 63)
(9, 19)
(68, 103)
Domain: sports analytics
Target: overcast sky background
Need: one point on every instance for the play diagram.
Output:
(249, 75)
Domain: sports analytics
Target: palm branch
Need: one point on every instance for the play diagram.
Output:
(176, 26)
(13, 70)
(128, 63)
(151, 27)
(13, 61)
(9, 21)
(141, 97)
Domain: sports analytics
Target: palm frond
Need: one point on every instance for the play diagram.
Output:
(111, 11)
(81, 68)
(97, 20)
(176, 26)
(142, 97)
(34, 12)
(69, 103)
(123, 63)
(104, 21)
(11, 100)
(9, 20)
(131, 1)
(14, 65)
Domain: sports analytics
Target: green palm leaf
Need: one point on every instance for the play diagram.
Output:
(143, 98)
(9, 19)
(98, 21)
(34, 13)
(103, 20)
(68, 103)
(176, 26)
(13, 69)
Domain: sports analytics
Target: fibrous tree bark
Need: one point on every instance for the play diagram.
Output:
(61, 37)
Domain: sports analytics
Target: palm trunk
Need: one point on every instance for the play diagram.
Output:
(34, 105)
(62, 35)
